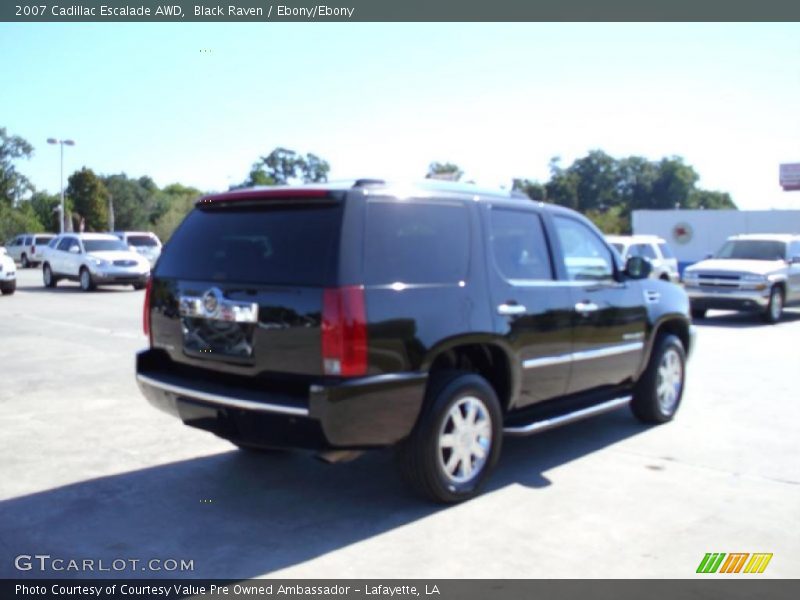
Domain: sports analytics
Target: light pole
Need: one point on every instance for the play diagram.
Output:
(61, 143)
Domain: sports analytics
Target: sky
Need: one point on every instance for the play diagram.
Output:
(198, 104)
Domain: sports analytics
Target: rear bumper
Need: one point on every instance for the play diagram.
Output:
(355, 413)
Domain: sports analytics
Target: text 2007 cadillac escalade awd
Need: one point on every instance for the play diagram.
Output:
(435, 317)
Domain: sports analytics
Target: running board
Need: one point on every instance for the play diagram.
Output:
(591, 411)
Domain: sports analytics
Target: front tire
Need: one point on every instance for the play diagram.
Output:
(772, 314)
(9, 288)
(25, 262)
(659, 390)
(49, 279)
(456, 442)
(87, 284)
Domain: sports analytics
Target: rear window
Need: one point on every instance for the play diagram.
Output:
(142, 241)
(408, 242)
(282, 245)
(103, 245)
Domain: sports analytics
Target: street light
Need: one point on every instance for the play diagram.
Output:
(61, 143)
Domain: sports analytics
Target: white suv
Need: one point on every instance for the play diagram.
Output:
(8, 273)
(144, 242)
(651, 247)
(93, 259)
(27, 248)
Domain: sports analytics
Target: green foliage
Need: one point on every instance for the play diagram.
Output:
(89, 196)
(607, 189)
(136, 202)
(447, 171)
(46, 206)
(283, 166)
(13, 185)
(17, 220)
(179, 200)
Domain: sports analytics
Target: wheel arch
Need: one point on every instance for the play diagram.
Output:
(671, 324)
(488, 356)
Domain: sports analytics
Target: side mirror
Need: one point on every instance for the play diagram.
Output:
(74, 250)
(638, 267)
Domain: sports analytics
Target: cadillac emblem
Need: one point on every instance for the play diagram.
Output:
(211, 301)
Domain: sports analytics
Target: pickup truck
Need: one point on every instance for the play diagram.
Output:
(433, 317)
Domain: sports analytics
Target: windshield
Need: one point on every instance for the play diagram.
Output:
(142, 241)
(103, 245)
(753, 250)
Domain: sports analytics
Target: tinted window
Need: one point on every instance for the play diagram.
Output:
(277, 244)
(586, 257)
(753, 250)
(647, 251)
(519, 247)
(43, 240)
(65, 243)
(103, 245)
(28, 240)
(142, 241)
(415, 243)
(666, 251)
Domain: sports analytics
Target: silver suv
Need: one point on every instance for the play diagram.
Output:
(27, 248)
(651, 247)
(755, 272)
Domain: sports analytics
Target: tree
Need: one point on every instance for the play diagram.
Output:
(179, 200)
(447, 171)
(137, 203)
(16, 220)
(46, 207)
(710, 199)
(533, 189)
(283, 166)
(13, 184)
(90, 199)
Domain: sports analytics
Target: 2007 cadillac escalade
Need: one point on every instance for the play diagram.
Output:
(434, 317)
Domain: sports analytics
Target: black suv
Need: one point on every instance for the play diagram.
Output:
(436, 317)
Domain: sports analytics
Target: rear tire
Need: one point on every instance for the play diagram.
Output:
(772, 314)
(456, 443)
(25, 262)
(87, 284)
(9, 288)
(658, 392)
(49, 279)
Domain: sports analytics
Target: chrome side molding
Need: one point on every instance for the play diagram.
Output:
(591, 411)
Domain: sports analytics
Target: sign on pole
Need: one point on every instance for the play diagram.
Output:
(790, 177)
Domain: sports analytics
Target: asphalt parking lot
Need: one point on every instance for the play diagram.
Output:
(90, 470)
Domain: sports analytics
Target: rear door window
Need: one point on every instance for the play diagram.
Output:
(270, 244)
(408, 242)
(519, 247)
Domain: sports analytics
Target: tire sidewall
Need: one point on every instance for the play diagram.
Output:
(47, 275)
(439, 407)
(86, 287)
(667, 343)
(775, 296)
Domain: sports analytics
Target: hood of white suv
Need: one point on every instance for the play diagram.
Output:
(734, 265)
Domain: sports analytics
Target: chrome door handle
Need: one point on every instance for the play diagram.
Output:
(511, 309)
(586, 307)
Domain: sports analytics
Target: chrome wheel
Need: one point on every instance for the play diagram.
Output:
(465, 440)
(669, 381)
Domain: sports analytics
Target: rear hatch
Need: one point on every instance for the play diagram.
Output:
(241, 286)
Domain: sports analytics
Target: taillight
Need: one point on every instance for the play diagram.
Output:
(344, 331)
(146, 311)
(33, 249)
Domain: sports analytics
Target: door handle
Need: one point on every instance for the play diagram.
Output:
(586, 307)
(511, 309)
